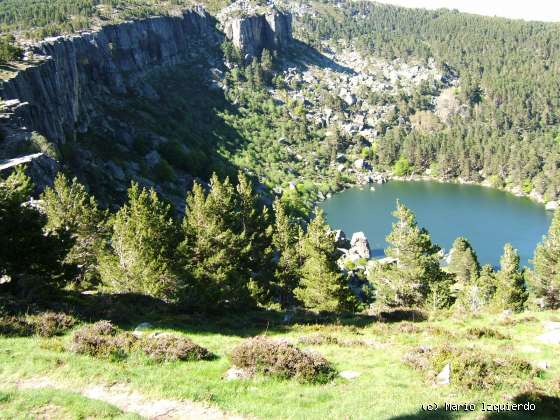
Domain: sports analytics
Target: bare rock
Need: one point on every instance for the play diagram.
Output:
(444, 377)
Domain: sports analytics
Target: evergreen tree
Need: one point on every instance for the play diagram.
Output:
(253, 223)
(69, 207)
(546, 276)
(213, 254)
(463, 262)
(29, 257)
(478, 293)
(286, 239)
(511, 292)
(143, 242)
(416, 273)
(322, 287)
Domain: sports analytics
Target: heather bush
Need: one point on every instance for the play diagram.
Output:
(11, 326)
(485, 332)
(471, 368)
(102, 339)
(166, 348)
(49, 324)
(280, 359)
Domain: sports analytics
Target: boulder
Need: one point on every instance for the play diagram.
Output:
(359, 164)
(552, 205)
(341, 240)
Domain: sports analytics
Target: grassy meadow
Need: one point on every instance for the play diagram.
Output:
(387, 387)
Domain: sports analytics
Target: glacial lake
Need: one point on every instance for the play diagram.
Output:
(488, 218)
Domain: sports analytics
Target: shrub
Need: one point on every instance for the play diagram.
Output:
(485, 332)
(11, 326)
(318, 339)
(102, 339)
(166, 348)
(49, 324)
(276, 358)
(471, 368)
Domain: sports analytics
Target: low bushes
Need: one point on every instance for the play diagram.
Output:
(471, 368)
(47, 324)
(166, 348)
(485, 332)
(325, 339)
(103, 339)
(50, 324)
(276, 358)
(11, 326)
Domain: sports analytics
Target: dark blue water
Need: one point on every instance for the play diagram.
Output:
(488, 218)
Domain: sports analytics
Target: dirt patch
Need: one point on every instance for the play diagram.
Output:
(129, 401)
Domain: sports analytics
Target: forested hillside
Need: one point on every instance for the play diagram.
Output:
(508, 78)
(39, 18)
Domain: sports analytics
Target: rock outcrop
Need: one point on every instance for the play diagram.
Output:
(252, 29)
(359, 246)
(60, 92)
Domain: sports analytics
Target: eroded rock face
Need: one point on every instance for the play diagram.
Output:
(252, 30)
(360, 245)
(60, 92)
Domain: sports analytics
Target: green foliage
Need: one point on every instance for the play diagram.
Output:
(143, 242)
(416, 274)
(322, 287)
(463, 262)
(70, 208)
(215, 247)
(402, 167)
(276, 358)
(472, 368)
(478, 293)
(8, 50)
(511, 292)
(29, 258)
(546, 276)
(286, 239)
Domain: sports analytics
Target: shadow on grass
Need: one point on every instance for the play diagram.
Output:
(440, 414)
(129, 310)
(546, 407)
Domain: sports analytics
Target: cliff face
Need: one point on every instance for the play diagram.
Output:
(251, 34)
(60, 92)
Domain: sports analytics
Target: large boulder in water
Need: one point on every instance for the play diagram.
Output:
(359, 245)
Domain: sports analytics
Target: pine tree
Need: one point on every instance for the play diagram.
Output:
(478, 293)
(322, 287)
(29, 257)
(143, 243)
(69, 207)
(511, 292)
(546, 276)
(416, 273)
(463, 262)
(286, 239)
(213, 254)
(255, 226)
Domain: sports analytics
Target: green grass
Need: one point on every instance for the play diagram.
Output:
(49, 403)
(387, 388)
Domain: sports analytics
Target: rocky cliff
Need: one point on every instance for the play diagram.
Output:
(59, 93)
(252, 30)
(73, 98)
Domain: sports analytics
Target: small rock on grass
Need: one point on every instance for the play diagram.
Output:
(349, 374)
(444, 376)
(235, 374)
